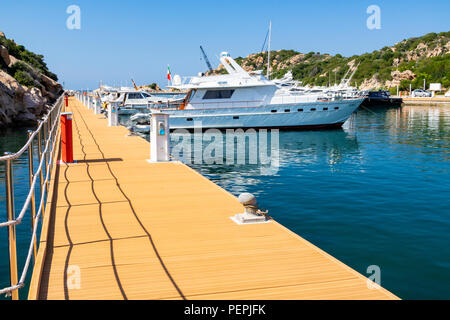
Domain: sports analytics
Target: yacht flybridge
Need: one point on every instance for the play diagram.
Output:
(241, 99)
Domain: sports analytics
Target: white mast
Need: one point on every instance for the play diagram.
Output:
(268, 49)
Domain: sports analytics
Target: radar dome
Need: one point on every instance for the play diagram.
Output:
(176, 80)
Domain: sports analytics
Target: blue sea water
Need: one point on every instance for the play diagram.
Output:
(376, 192)
(11, 140)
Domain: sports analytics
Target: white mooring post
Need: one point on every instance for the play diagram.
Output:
(113, 114)
(96, 104)
(159, 137)
(87, 102)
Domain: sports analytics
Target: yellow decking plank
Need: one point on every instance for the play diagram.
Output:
(162, 231)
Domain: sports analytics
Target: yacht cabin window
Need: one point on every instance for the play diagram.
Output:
(218, 94)
(134, 95)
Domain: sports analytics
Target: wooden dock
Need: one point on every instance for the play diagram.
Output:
(426, 101)
(128, 229)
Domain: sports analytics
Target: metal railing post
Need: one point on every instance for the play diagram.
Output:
(50, 139)
(41, 178)
(10, 215)
(33, 200)
(46, 152)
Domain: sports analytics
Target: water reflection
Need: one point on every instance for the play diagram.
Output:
(299, 151)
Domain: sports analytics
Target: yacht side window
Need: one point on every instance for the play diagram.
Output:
(218, 94)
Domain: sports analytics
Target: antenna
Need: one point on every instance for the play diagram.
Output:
(134, 84)
(206, 59)
(265, 40)
(268, 50)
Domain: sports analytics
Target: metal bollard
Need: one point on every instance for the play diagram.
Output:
(251, 212)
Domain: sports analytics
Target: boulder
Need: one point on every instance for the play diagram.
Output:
(12, 60)
(259, 61)
(4, 54)
(19, 104)
(398, 76)
(371, 84)
(32, 99)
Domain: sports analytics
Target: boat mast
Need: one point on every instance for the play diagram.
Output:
(268, 51)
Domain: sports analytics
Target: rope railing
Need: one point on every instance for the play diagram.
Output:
(48, 127)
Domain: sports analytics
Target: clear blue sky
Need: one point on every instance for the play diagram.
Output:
(119, 40)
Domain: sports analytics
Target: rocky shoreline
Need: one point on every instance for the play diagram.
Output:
(22, 105)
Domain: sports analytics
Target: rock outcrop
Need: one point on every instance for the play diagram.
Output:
(20, 104)
(371, 84)
(398, 76)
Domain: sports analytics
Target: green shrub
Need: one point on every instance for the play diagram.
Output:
(24, 78)
(35, 60)
(404, 85)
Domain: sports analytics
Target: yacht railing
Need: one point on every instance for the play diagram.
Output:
(45, 136)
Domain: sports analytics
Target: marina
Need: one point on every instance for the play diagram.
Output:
(118, 228)
(159, 152)
(348, 153)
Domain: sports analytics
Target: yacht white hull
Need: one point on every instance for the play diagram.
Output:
(132, 109)
(300, 115)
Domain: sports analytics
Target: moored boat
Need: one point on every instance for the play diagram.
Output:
(381, 98)
(243, 100)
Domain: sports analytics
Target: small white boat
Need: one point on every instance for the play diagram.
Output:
(132, 101)
(140, 118)
(139, 128)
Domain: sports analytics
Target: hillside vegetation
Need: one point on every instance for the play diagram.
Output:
(407, 62)
(30, 63)
(27, 86)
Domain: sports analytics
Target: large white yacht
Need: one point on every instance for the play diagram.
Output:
(249, 100)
